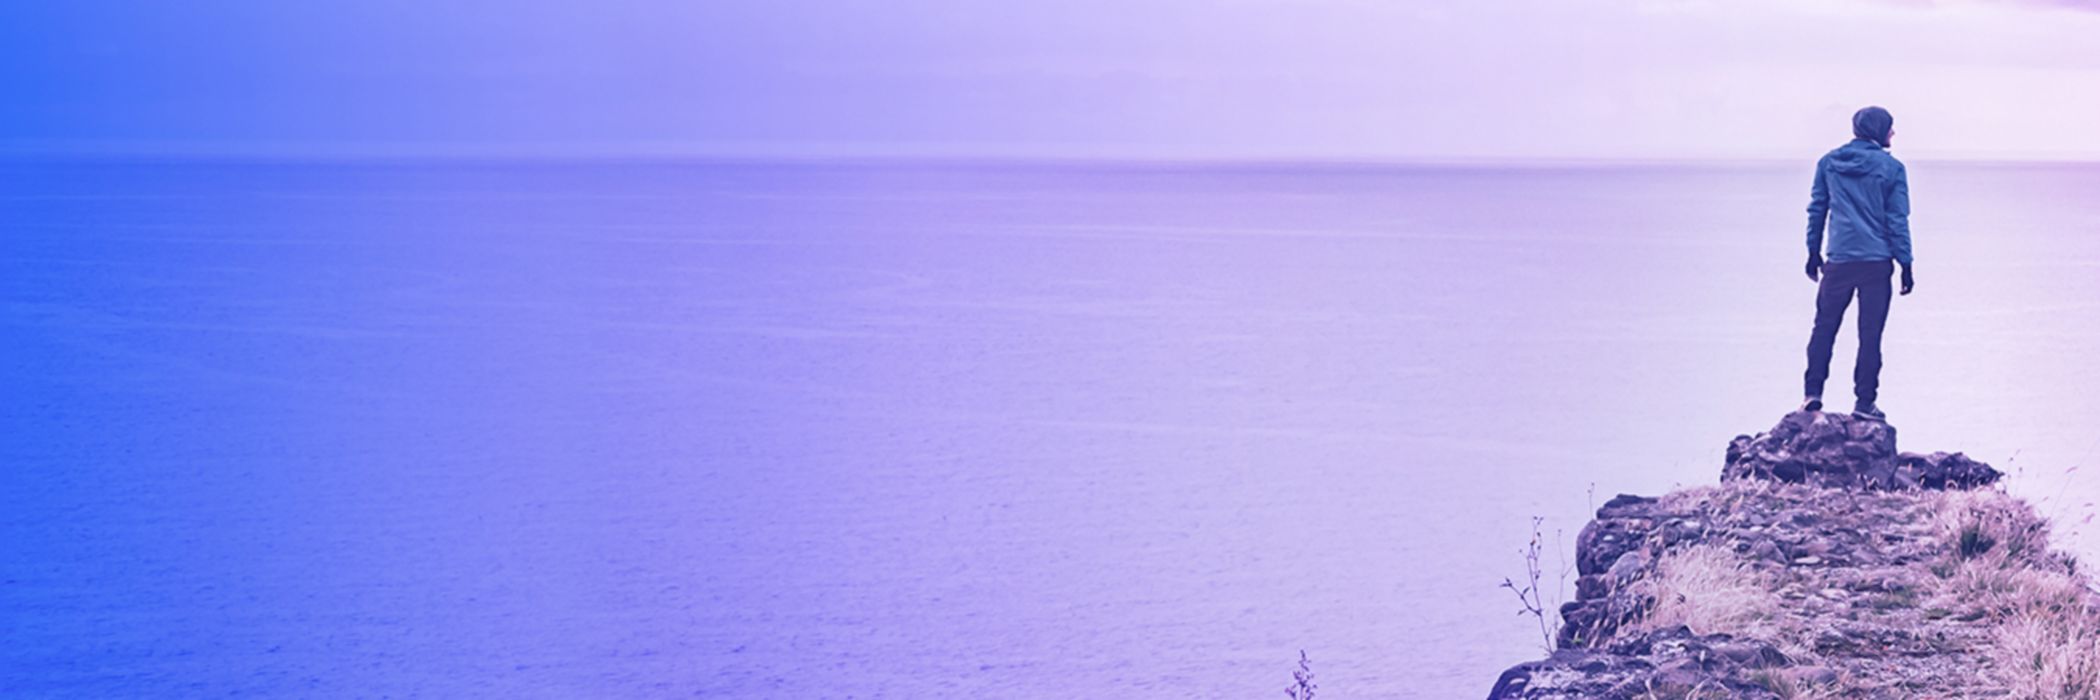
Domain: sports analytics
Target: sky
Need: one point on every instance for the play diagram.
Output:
(1224, 79)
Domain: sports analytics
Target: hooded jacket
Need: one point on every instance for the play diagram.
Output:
(1866, 195)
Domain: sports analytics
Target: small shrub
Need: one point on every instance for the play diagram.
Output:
(1302, 686)
(1531, 595)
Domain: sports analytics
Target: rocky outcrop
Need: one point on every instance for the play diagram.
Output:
(1652, 663)
(1830, 537)
(1840, 451)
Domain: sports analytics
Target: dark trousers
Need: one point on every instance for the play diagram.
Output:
(1870, 280)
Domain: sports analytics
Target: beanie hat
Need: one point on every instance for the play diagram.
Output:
(1873, 124)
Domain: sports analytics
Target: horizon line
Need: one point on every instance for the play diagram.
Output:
(469, 152)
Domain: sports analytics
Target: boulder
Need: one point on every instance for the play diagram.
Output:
(1840, 451)
(1944, 470)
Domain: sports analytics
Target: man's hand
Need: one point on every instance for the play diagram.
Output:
(1815, 267)
(1908, 281)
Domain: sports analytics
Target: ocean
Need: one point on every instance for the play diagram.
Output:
(592, 428)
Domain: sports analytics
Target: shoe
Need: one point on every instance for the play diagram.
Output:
(1812, 404)
(1867, 411)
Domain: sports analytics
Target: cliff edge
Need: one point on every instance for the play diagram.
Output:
(1824, 564)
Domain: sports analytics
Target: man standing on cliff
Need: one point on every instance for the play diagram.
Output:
(1864, 193)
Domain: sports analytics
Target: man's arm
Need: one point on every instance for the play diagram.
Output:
(1818, 213)
(1899, 224)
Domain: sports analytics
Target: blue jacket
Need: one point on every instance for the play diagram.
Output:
(1866, 194)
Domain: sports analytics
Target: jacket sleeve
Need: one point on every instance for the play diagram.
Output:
(1899, 216)
(1818, 210)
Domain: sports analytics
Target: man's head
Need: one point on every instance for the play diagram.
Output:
(1874, 124)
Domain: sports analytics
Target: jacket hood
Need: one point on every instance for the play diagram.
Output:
(1855, 158)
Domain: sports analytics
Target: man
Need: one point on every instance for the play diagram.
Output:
(1864, 193)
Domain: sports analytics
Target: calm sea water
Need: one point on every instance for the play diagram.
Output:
(903, 430)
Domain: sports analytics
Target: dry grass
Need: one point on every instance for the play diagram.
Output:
(2049, 657)
(1687, 499)
(1724, 496)
(1672, 691)
(2045, 628)
(1990, 523)
(1711, 590)
(1789, 686)
(2038, 612)
(2041, 613)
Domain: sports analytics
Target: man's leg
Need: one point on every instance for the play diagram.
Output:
(1874, 291)
(1833, 294)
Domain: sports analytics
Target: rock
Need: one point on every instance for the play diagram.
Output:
(1767, 550)
(1623, 503)
(1840, 451)
(1588, 587)
(1584, 622)
(1844, 555)
(1604, 539)
(1673, 659)
(1815, 675)
(1628, 567)
(1944, 470)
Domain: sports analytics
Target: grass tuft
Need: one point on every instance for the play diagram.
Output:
(1711, 590)
(1785, 684)
(2045, 628)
